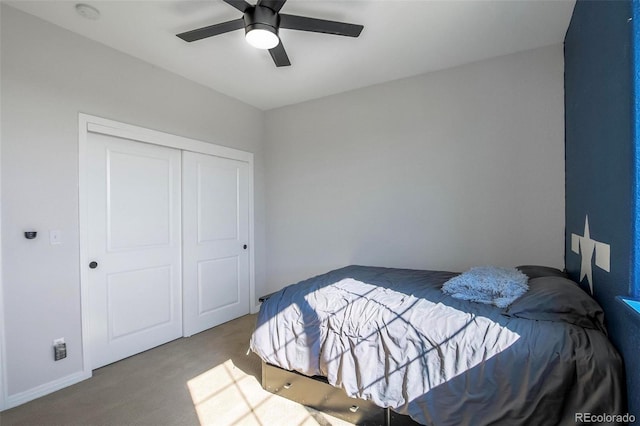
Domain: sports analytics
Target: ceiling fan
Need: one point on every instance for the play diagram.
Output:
(262, 23)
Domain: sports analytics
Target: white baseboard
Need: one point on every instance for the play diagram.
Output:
(45, 389)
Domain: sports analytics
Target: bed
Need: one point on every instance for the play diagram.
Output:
(391, 339)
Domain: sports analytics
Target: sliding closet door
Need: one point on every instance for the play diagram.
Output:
(134, 247)
(215, 241)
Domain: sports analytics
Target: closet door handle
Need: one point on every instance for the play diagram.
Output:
(244, 246)
(93, 265)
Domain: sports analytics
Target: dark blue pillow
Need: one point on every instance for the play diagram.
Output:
(535, 271)
(557, 299)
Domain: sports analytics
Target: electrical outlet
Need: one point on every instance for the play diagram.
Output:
(59, 349)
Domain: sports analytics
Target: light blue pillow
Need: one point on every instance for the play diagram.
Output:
(488, 284)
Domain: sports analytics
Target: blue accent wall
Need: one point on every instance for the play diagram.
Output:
(600, 162)
(634, 291)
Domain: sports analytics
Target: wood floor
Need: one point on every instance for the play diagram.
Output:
(206, 379)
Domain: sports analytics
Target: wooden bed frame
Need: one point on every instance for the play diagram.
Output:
(317, 393)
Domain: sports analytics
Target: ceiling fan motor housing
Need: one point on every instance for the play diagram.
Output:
(261, 18)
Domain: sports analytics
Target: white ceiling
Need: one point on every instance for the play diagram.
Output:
(400, 39)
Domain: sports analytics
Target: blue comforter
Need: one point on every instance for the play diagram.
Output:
(391, 336)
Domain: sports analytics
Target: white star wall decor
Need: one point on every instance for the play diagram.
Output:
(585, 246)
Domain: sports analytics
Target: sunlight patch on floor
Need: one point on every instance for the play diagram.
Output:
(226, 395)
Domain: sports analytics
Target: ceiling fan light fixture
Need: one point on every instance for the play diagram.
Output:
(263, 37)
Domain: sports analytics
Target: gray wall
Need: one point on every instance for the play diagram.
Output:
(442, 171)
(49, 75)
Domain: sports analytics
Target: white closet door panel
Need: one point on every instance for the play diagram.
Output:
(218, 214)
(139, 197)
(215, 238)
(134, 236)
(218, 284)
(127, 291)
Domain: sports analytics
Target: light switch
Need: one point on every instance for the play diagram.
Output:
(55, 237)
